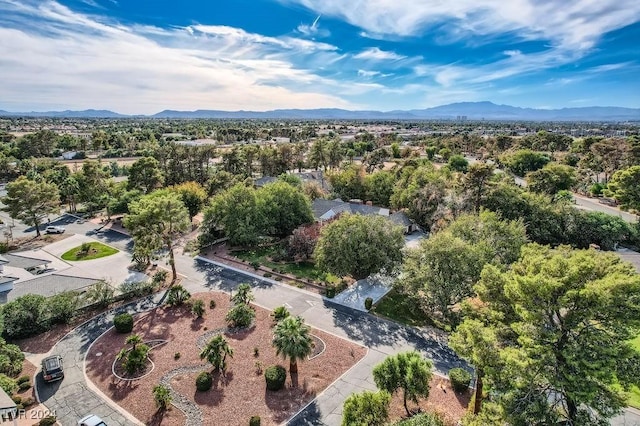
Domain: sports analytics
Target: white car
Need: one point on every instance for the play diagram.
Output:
(91, 420)
(54, 230)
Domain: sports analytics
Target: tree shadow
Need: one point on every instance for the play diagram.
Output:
(240, 333)
(225, 279)
(197, 323)
(375, 332)
(121, 388)
(156, 419)
(311, 415)
(214, 396)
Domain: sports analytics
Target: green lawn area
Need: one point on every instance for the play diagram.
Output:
(395, 307)
(89, 251)
(634, 393)
(302, 270)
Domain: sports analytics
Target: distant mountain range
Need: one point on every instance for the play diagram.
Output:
(456, 111)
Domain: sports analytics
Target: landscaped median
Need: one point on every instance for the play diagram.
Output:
(89, 251)
(235, 396)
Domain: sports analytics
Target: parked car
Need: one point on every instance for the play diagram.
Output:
(91, 420)
(54, 230)
(52, 368)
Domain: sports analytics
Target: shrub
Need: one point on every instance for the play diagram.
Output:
(23, 379)
(240, 315)
(177, 295)
(330, 292)
(368, 302)
(134, 360)
(256, 351)
(123, 323)
(280, 313)
(204, 381)
(62, 307)
(422, 419)
(48, 421)
(23, 386)
(101, 293)
(8, 384)
(198, 308)
(137, 289)
(162, 396)
(254, 421)
(275, 377)
(278, 278)
(11, 359)
(177, 356)
(28, 402)
(160, 277)
(84, 249)
(255, 264)
(26, 316)
(267, 275)
(212, 304)
(460, 379)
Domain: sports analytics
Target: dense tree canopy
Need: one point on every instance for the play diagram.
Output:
(366, 409)
(624, 186)
(551, 179)
(359, 246)
(551, 336)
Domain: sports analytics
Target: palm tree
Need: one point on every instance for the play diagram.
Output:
(243, 295)
(216, 352)
(292, 340)
(134, 340)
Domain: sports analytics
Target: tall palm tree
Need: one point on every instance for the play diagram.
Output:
(216, 351)
(292, 340)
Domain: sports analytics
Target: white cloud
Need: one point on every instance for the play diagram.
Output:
(375, 54)
(368, 74)
(313, 30)
(576, 24)
(70, 60)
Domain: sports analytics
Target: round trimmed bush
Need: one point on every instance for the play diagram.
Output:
(460, 379)
(255, 421)
(275, 376)
(204, 381)
(123, 323)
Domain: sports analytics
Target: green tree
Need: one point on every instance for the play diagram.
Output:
(237, 213)
(551, 336)
(379, 187)
(624, 186)
(145, 175)
(366, 409)
(26, 316)
(31, 201)
(177, 295)
(240, 315)
(285, 206)
(11, 359)
(216, 352)
(524, 161)
(551, 179)
(359, 246)
(408, 371)
(319, 154)
(477, 181)
(156, 221)
(292, 339)
(458, 163)
(62, 306)
(92, 181)
(349, 182)
(193, 196)
(162, 396)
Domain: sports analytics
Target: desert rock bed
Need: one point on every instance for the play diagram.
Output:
(233, 399)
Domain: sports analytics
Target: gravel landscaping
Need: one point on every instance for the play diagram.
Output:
(235, 397)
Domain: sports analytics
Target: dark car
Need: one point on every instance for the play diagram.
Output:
(52, 368)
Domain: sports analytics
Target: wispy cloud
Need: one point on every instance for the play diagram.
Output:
(314, 29)
(68, 59)
(376, 54)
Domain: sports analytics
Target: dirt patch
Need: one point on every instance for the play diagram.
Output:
(234, 398)
(442, 399)
(33, 243)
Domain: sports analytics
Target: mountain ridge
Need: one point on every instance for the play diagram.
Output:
(484, 110)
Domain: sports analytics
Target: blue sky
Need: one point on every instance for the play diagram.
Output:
(143, 56)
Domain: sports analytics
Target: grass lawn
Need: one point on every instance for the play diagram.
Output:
(634, 393)
(89, 251)
(395, 307)
(302, 270)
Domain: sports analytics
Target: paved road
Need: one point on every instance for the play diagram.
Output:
(72, 398)
(592, 204)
